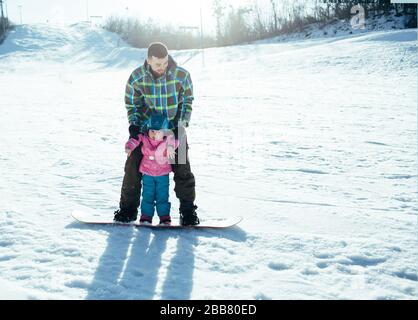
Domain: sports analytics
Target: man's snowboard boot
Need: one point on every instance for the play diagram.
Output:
(188, 216)
(125, 215)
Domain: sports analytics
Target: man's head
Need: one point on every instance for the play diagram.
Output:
(158, 58)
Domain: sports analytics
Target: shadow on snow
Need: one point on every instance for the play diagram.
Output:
(130, 265)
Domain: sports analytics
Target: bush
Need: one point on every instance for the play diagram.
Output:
(140, 34)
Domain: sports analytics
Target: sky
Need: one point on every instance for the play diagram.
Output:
(178, 12)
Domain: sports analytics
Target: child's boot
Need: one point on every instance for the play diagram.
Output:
(145, 219)
(165, 220)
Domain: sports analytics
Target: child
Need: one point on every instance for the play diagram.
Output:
(155, 167)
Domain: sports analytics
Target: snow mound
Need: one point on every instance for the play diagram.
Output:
(80, 43)
(340, 28)
(407, 35)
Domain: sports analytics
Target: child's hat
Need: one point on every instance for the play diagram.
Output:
(157, 122)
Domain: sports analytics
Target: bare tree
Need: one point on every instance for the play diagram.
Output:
(258, 24)
(218, 9)
(275, 18)
(2, 21)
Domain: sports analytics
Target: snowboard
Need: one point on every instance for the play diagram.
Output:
(209, 223)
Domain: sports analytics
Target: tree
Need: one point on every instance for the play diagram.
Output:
(218, 9)
(236, 29)
(3, 25)
(259, 27)
(274, 11)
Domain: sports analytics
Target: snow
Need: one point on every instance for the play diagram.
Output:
(338, 28)
(12, 292)
(312, 141)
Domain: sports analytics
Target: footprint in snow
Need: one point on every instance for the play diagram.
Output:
(278, 266)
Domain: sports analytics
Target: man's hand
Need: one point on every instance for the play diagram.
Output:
(131, 145)
(183, 123)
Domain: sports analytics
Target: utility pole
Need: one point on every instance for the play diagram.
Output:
(20, 13)
(201, 35)
(87, 10)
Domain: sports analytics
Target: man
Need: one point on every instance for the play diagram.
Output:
(160, 87)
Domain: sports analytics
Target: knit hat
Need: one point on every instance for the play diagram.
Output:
(157, 122)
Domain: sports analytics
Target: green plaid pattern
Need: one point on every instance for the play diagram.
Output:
(171, 94)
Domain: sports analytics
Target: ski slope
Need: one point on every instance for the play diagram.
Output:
(313, 142)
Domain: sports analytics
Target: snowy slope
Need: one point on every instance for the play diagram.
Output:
(313, 142)
(336, 28)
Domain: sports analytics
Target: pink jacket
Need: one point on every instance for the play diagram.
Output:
(155, 161)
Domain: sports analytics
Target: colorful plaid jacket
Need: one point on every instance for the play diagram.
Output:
(171, 94)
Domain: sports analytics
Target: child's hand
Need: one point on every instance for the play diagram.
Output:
(131, 145)
(171, 153)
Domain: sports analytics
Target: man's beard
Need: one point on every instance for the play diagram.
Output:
(156, 74)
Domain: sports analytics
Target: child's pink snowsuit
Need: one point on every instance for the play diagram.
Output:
(155, 161)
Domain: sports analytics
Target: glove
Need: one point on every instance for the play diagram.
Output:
(134, 131)
(131, 145)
